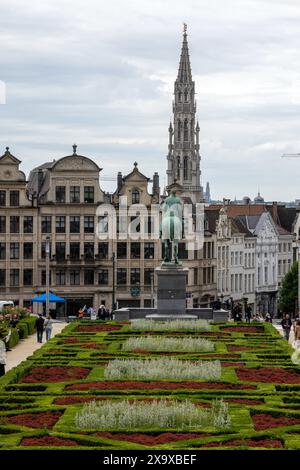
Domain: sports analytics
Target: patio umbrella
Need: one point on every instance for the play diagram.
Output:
(52, 298)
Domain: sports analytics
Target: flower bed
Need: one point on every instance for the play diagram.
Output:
(269, 375)
(36, 420)
(136, 385)
(262, 391)
(267, 443)
(96, 328)
(265, 421)
(55, 374)
(47, 441)
(151, 439)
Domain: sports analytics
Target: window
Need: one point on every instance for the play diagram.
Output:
(135, 224)
(178, 167)
(279, 267)
(148, 276)
(75, 277)
(135, 198)
(60, 194)
(60, 224)
(60, 278)
(88, 224)
(14, 224)
(88, 250)
(43, 278)
(178, 129)
(182, 251)
(135, 276)
(60, 251)
(2, 224)
(266, 275)
(89, 194)
(74, 251)
(88, 277)
(43, 250)
(14, 277)
(185, 130)
(195, 276)
(14, 198)
(28, 250)
(27, 277)
(28, 224)
(46, 224)
(2, 277)
(74, 194)
(103, 277)
(135, 250)
(74, 224)
(14, 250)
(148, 250)
(103, 250)
(121, 276)
(185, 168)
(2, 198)
(2, 250)
(121, 250)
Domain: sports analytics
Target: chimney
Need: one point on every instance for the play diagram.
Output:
(156, 188)
(119, 180)
(275, 212)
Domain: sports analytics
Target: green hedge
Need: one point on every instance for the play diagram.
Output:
(30, 323)
(14, 338)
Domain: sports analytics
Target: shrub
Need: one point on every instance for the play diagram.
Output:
(126, 415)
(23, 329)
(14, 338)
(162, 368)
(157, 343)
(172, 325)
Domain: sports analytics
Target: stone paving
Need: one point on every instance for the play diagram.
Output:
(25, 348)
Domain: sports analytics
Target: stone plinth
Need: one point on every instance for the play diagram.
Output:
(171, 290)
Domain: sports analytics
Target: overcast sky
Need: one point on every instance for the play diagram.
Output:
(101, 74)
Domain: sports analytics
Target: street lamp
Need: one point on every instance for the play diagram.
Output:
(113, 258)
(47, 250)
(152, 289)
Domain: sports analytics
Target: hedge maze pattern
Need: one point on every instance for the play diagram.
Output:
(40, 398)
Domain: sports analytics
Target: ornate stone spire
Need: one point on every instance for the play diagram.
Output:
(183, 156)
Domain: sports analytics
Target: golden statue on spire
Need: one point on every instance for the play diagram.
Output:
(184, 28)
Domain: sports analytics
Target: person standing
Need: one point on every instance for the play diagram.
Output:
(286, 324)
(39, 324)
(3, 340)
(248, 314)
(297, 334)
(48, 327)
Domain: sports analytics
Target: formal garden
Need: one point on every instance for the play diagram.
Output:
(188, 386)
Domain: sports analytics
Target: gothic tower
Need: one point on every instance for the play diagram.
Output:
(184, 157)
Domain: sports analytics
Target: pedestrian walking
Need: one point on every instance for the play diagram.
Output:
(102, 312)
(39, 324)
(248, 314)
(286, 324)
(48, 324)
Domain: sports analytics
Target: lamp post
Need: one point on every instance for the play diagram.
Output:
(113, 258)
(47, 250)
(222, 298)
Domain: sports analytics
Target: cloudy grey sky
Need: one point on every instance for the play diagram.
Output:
(101, 74)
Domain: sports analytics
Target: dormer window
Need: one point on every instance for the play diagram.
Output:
(135, 196)
(89, 194)
(60, 194)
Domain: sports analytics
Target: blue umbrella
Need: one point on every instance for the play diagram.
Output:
(52, 298)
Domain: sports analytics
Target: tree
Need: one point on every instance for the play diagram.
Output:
(288, 293)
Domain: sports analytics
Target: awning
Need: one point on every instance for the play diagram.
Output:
(52, 298)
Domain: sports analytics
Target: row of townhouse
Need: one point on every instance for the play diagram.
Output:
(254, 253)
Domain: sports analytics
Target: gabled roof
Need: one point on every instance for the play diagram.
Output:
(135, 172)
(9, 156)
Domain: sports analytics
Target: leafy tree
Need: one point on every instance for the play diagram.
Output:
(288, 293)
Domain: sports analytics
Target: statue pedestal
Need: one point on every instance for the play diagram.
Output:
(171, 289)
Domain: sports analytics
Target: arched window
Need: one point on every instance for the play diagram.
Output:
(178, 129)
(185, 130)
(135, 196)
(178, 167)
(179, 96)
(185, 168)
(186, 95)
(192, 130)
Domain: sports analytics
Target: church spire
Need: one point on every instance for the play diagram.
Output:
(184, 71)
